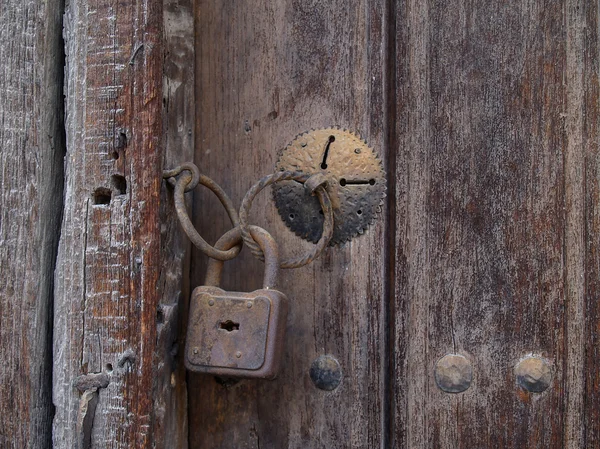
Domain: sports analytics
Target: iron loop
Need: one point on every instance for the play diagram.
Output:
(187, 166)
(182, 185)
(234, 237)
(324, 200)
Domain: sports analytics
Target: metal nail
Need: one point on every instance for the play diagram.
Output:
(326, 373)
(453, 373)
(533, 374)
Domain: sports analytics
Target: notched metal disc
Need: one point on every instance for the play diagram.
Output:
(356, 184)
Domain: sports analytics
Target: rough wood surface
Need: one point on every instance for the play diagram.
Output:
(116, 381)
(31, 160)
(496, 126)
(487, 115)
(266, 71)
(178, 94)
(584, 59)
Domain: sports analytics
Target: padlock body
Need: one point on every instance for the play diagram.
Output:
(235, 334)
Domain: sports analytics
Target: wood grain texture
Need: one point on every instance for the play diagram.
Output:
(266, 71)
(585, 24)
(574, 249)
(116, 384)
(178, 94)
(31, 153)
(496, 119)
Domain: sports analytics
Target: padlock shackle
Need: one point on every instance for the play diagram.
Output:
(234, 237)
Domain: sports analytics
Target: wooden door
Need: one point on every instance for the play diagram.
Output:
(485, 115)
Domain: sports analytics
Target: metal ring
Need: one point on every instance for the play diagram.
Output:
(214, 270)
(174, 172)
(182, 185)
(324, 200)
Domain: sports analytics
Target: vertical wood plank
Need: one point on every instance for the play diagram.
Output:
(586, 30)
(178, 94)
(574, 249)
(31, 160)
(496, 115)
(264, 73)
(115, 379)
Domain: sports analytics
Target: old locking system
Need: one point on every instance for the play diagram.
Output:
(355, 182)
(236, 334)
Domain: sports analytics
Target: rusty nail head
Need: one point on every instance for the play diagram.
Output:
(326, 373)
(533, 374)
(211, 302)
(453, 373)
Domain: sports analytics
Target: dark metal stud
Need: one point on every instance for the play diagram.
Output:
(326, 373)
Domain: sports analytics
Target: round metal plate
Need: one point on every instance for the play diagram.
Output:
(356, 184)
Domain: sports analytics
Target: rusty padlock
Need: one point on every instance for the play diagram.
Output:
(234, 334)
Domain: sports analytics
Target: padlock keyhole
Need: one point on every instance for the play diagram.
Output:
(230, 326)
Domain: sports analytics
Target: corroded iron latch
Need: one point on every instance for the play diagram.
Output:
(355, 182)
(328, 187)
(236, 334)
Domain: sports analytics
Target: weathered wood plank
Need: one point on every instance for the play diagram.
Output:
(31, 161)
(115, 379)
(493, 102)
(576, 79)
(178, 94)
(266, 71)
(586, 56)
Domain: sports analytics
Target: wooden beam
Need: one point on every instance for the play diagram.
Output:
(31, 161)
(116, 377)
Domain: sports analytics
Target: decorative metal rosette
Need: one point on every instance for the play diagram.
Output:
(356, 184)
